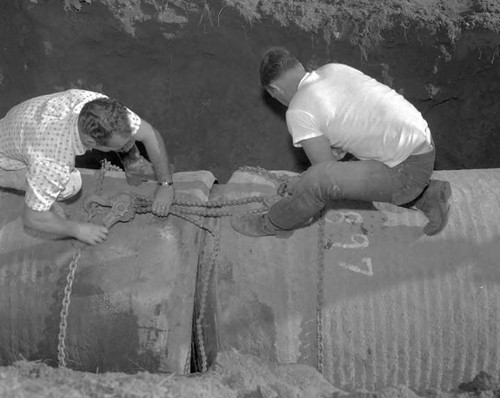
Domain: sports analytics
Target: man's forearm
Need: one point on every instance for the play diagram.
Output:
(159, 157)
(47, 221)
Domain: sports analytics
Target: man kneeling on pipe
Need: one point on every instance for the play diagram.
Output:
(40, 139)
(336, 110)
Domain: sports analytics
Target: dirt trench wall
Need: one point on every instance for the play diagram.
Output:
(191, 68)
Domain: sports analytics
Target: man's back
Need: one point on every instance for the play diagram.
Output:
(358, 114)
(43, 127)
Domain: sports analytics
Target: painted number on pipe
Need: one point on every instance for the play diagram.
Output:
(357, 241)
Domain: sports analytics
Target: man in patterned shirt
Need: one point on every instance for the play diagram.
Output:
(40, 139)
(338, 107)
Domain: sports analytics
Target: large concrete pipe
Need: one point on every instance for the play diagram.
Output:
(132, 297)
(366, 298)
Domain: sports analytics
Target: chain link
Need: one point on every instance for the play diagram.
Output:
(206, 209)
(205, 284)
(220, 203)
(184, 210)
(61, 346)
(214, 209)
(320, 292)
(208, 271)
(278, 178)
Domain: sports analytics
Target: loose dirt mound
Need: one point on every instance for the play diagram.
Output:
(190, 68)
(234, 375)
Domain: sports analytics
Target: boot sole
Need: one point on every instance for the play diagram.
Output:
(444, 207)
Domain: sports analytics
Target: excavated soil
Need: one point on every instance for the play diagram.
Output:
(233, 376)
(192, 70)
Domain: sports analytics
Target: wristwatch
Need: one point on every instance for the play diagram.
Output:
(165, 183)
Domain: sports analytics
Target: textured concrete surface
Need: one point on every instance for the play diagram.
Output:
(132, 300)
(397, 307)
(392, 307)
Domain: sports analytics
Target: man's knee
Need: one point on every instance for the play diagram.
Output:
(319, 180)
(72, 187)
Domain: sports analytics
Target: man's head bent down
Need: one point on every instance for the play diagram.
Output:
(280, 74)
(104, 125)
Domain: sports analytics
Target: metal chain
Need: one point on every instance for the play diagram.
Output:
(61, 347)
(181, 209)
(208, 271)
(194, 221)
(184, 209)
(278, 178)
(213, 214)
(320, 292)
(283, 179)
(213, 209)
(220, 203)
(207, 209)
(205, 283)
(146, 201)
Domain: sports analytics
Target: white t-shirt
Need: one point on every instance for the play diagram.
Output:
(358, 115)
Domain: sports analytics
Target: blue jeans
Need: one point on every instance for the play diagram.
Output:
(365, 180)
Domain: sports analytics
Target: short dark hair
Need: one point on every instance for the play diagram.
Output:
(275, 62)
(102, 117)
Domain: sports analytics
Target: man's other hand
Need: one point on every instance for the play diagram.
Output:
(91, 233)
(164, 196)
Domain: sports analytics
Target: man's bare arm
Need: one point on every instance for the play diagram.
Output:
(155, 147)
(47, 221)
(318, 149)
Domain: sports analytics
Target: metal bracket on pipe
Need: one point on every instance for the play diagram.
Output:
(122, 207)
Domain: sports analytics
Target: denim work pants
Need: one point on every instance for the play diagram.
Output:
(365, 180)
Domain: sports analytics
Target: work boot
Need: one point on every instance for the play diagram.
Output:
(252, 225)
(434, 203)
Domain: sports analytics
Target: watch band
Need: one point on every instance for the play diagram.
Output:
(165, 183)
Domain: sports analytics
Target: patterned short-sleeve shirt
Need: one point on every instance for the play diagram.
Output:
(41, 134)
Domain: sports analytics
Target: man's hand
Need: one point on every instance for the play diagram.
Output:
(52, 223)
(164, 196)
(91, 233)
